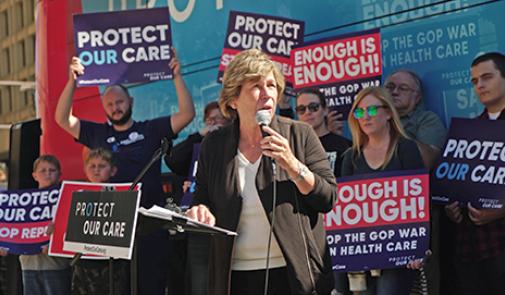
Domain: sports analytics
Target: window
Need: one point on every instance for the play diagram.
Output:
(17, 17)
(28, 12)
(4, 62)
(3, 24)
(29, 48)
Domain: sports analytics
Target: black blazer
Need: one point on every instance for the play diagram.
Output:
(299, 222)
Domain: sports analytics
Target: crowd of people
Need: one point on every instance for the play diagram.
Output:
(272, 183)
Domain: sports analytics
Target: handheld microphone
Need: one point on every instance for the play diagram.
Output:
(263, 117)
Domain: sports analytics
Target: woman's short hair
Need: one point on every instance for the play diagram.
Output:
(248, 65)
(315, 91)
(359, 138)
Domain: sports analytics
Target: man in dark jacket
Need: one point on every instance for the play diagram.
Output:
(479, 245)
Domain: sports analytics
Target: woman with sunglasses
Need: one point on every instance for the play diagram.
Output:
(311, 109)
(380, 144)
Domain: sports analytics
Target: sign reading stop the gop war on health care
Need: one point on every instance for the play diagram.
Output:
(379, 221)
(24, 217)
(339, 66)
(123, 46)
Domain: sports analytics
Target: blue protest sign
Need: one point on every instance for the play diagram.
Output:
(472, 164)
(123, 47)
(24, 217)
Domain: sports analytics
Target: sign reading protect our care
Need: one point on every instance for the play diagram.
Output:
(472, 164)
(63, 211)
(340, 67)
(275, 36)
(102, 223)
(379, 221)
(124, 46)
(24, 217)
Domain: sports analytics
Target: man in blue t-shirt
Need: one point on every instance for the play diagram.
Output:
(133, 144)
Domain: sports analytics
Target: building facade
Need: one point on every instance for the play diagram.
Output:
(17, 68)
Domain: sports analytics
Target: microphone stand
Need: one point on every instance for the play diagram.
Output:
(166, 146)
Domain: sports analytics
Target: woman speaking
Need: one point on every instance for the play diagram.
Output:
(255, 178)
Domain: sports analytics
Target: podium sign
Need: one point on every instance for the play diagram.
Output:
(102, 223)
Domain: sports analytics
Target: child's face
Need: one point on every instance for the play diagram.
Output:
(46, 174)
(99, 170)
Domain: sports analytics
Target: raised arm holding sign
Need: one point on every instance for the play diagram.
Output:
(132, 144)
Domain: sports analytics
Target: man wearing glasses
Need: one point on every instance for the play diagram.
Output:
(423, 126)
(427, 130)
(311, 109)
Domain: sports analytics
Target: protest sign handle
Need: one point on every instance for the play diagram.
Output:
(76, 258)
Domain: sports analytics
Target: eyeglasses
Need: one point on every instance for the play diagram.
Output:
(402, 88)
(370, 110)
(313, 107)
(214, 120)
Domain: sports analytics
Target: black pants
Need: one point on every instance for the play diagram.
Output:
(253, 282)
(483, 277)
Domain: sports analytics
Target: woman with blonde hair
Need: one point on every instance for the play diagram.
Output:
(238, 187)
(380, 144)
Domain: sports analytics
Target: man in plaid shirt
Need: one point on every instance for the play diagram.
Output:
(480, 233)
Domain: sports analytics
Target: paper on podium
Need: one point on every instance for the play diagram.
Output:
(166, 214)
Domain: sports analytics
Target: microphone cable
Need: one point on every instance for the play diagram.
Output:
(274, 201)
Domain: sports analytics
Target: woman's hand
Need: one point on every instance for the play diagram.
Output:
(335, 122)
(277, 147)
(202, 214)
(415, 264)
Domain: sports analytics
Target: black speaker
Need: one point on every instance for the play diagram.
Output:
(24, 149)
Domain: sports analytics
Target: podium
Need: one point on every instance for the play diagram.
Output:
(156, 218)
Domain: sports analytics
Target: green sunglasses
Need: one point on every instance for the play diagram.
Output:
(370, 110)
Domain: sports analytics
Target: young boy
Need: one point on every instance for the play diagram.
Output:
(92, 276)
(43, 274)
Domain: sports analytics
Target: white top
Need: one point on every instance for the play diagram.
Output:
(493, 116)
(253, 229)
